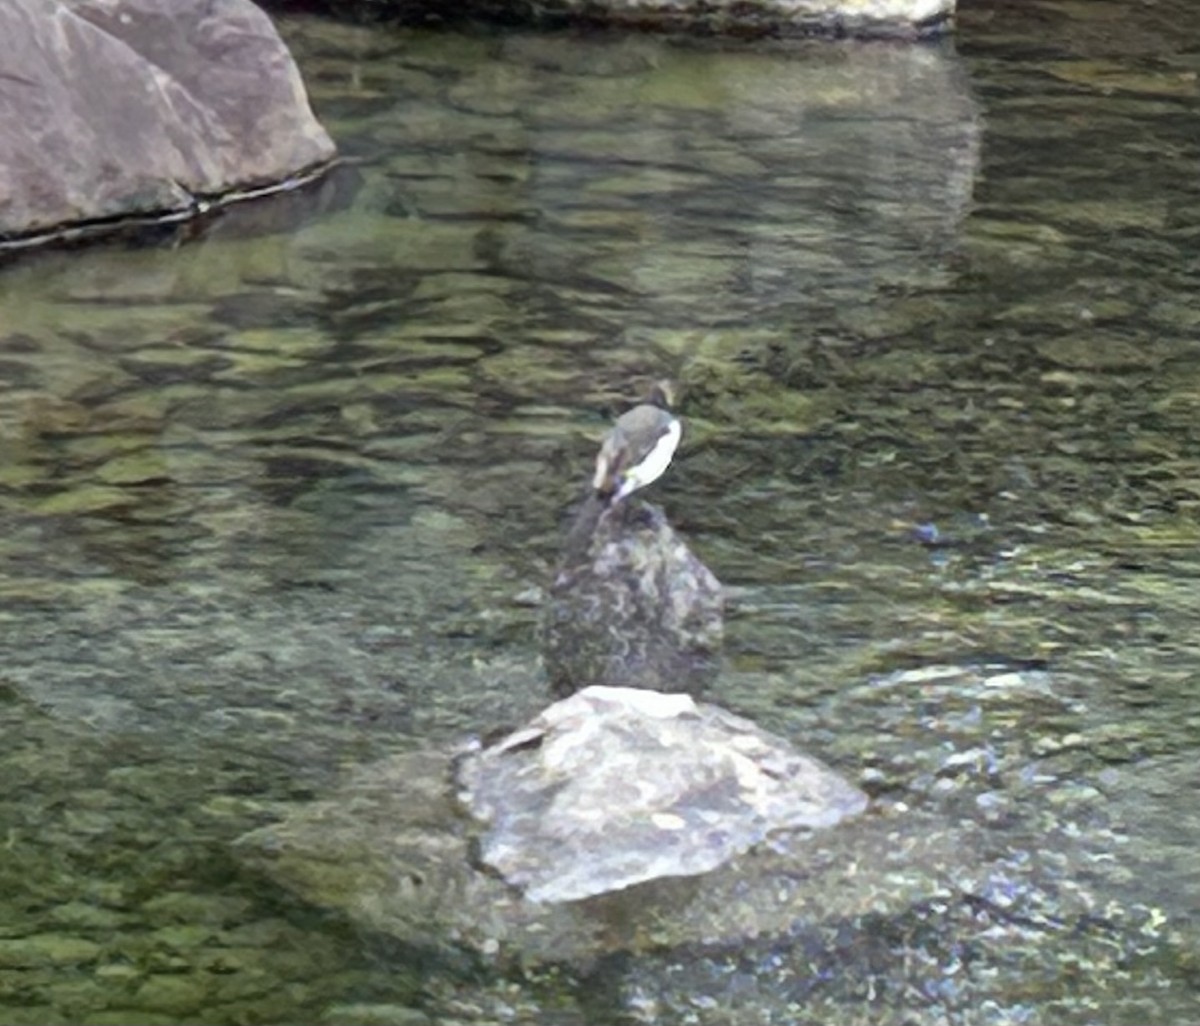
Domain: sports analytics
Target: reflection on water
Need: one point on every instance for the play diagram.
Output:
(276, 504)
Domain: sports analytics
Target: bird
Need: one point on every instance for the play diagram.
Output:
(638, 450)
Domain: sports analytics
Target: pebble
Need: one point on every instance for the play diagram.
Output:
(175, 994)
(46, 949)
(374, 1015)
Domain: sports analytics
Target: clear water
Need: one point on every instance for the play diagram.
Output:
(275, 504)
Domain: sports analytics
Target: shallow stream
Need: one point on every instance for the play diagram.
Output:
(279, 501)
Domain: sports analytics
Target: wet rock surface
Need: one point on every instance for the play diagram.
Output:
(599, 806)
(631, 605)
(617, 786)
(902, 18)
(144, 107)
(392, 849)
(907, 19)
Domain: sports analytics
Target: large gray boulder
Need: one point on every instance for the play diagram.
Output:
(112, 108)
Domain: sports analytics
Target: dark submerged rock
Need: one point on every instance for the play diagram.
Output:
(144, 107)
(631, 605)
